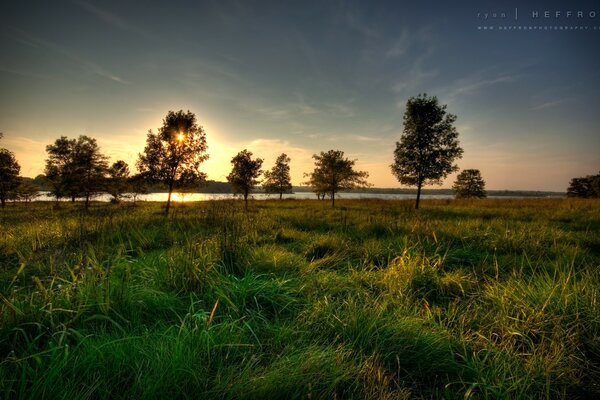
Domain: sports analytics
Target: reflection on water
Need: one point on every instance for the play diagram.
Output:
(177, 198)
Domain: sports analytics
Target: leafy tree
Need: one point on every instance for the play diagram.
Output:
(118, 175)
(469, 183)
(429, 145)
(244, 174)
(75, 168)
(59, 169)
(278, 179)
(138, 184)
(9, 173)
(175, 152)
(334, 173)
(26, 192)
(585, 187)
(90, 167)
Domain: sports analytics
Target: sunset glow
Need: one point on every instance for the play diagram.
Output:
(315, 76)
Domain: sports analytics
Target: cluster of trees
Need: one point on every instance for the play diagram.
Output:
(425, 154)
(585, 187)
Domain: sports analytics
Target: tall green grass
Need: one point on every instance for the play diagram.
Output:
(463, 299)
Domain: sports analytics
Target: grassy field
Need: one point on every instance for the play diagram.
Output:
(484, 300)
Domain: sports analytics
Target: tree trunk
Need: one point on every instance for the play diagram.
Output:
(280, 195)
(418, 194)
(3, 201)
(169, 198)
(332, 198)
(246, 200)
(87, 201)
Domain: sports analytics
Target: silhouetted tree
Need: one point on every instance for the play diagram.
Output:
(90, 167)
(60, 170)
(138, 184)
(334, 173)
(9, 173)
(468, 184)
(244, 174)
(26, 192)
(176, 150)
(278, 179)
(117, 184)
(75, 168)
(429, 145)
(585, 187)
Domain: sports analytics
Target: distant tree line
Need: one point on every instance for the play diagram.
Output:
(171, 159)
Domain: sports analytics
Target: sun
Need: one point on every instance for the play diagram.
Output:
(180, 137)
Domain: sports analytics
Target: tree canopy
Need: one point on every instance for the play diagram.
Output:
(585, 187)
(75, 167)
(278, 179)
(9, 174)
(118, 179)
(428, 146)
(244, 173)
(334, 173)
(469, 184)
(173, 155)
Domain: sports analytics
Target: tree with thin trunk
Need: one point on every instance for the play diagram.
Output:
(118, 180)
(175, 152)
(334, 173)
(9, 174)
(428, 146)
(278, 179)
(75, 168)
(244, 174)
(90, 167)
(469, 184)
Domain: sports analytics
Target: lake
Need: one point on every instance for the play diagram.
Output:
(176, 197)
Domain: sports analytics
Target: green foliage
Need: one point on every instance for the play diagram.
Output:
(278, 179)
(585, 187)
(429, 145)
(118, 175)
(469, 184)
(75, 168)
(173, 155)
(334, 173)
(244, 173)
(488, 299)
(9, 174)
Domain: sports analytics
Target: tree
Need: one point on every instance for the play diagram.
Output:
(428, 146)
(278, 179)
(75, 168)
(138, 184)
(468, 184)
(334, 173)
(118, 176)
(244, 174)
(26, 192)
(585, 187)
(176, 150)
(90, 167)
(9, 173)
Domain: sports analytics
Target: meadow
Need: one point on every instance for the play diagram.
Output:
(484, 299)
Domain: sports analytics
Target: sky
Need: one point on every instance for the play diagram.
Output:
(302, 77)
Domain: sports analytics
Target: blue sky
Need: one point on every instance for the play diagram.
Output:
(307, 76)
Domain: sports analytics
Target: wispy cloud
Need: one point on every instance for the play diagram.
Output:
(114, 20)
(400, 45)
(549, 104)
(86, 65)
(481, 84)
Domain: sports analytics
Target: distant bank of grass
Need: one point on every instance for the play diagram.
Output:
(463, 299)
